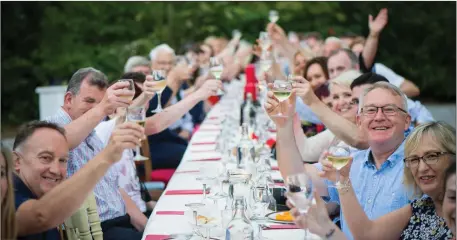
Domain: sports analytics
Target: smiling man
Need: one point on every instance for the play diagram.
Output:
(44, 197)
(376, 173)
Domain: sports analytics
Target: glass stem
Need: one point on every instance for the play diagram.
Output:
(159, 101)
(204, 190)
(221, 186)
(195, 216)
(337, 178)
(137, 151)
(207, 233)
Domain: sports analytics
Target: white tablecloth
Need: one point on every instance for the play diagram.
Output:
(175, 224)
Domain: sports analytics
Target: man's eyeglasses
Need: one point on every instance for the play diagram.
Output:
(388, 110)
(429, 159)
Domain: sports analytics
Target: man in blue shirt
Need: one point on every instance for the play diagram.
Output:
(376, 172)
(44, 198)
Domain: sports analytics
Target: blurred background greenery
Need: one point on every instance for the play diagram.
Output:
(43, 43)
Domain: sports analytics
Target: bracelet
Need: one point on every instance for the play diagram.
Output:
(344, 186)
(373, 35)
(330, 233)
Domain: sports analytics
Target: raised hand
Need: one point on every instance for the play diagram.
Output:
(115, 97)
(125, 136)
(329, 172)
(209, 88)
(316, 220)
(273, 106)
(303, 89)
(377, 25)
(276, 33)
(150, 86)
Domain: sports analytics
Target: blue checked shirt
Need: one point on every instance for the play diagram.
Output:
(379, 191)
(109, 200)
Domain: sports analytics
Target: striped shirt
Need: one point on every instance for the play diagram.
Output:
(109, 200)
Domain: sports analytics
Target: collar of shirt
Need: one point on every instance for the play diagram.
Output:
(393, 159)
(20, 187)
(62, 114)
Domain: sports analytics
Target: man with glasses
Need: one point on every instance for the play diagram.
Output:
(418, 112)
(376, 173)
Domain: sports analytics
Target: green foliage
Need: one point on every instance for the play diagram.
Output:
(45, 42)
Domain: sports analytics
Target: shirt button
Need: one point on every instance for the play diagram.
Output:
(369, 200)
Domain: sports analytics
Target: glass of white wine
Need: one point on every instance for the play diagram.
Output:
(282, 90)
(131, 87)
(137, 115)
(159, 77)
(273, 16)
(300, 192)
(216, 68)
(339, 155)
(264, 41)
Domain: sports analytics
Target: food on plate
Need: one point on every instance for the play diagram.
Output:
(284, 216)
(204, 220)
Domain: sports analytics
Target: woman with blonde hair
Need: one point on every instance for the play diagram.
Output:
(429, 151)
(7, 198)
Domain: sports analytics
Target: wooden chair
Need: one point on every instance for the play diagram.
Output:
(85, 223)
(145, 151)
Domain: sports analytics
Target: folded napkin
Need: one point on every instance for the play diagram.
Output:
(185, 192)
(206, 159)
(170, 213)
(203, 143)
(281, 226)
(156, 237)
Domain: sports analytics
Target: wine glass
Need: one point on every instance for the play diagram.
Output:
(206, 180)
(281, 90)
(264, 41)
(273, 16)
(159, 76)
(261, 197)
(300, 192)
(131, 87)
(138, 116)
(195, 207)
(216, 69)
(339, 155)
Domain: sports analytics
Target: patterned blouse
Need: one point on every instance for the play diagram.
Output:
(424, 223)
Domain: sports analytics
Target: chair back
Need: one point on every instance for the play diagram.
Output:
(85, 223)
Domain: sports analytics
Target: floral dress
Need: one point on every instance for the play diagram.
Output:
(424, 223)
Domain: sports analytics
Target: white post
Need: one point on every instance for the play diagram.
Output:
(50, 99)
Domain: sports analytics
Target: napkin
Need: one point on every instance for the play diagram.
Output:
(185, 192)
(170, 213)
(156, 237)
(281, 226)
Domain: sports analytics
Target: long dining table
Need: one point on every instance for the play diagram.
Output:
(167, 217)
